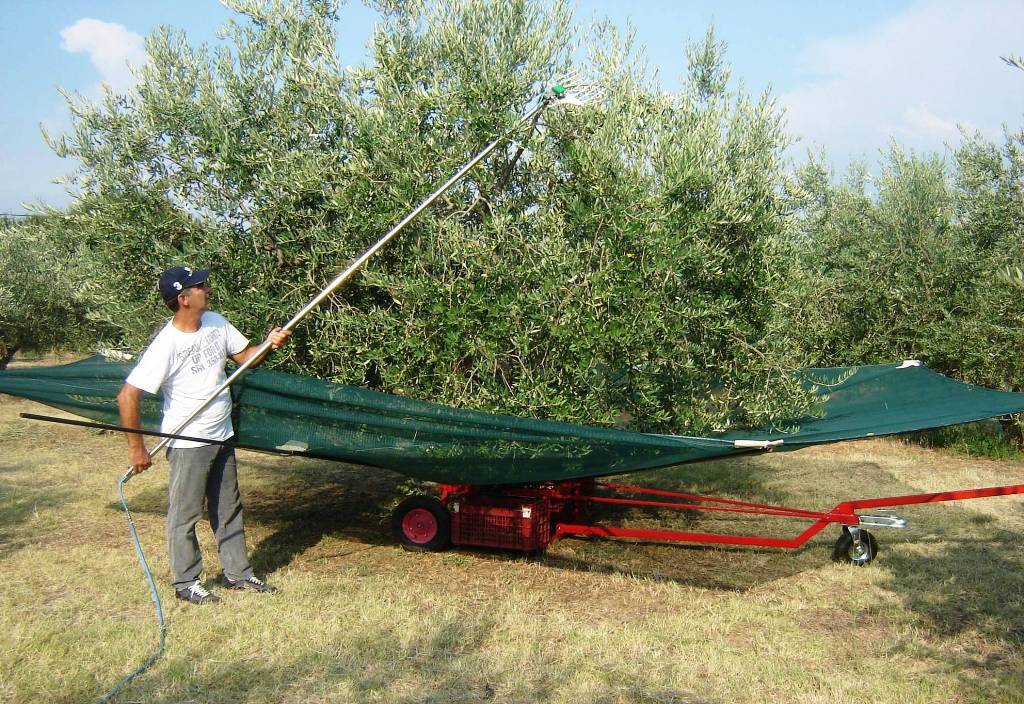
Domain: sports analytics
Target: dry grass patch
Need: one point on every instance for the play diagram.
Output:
(939, 617)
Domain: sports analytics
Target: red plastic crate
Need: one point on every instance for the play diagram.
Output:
(509, 523)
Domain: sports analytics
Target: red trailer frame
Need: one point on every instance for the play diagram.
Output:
(531, 517)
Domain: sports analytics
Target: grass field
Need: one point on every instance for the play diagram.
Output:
(938, 617)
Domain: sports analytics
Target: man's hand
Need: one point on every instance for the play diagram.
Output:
(139, 459)
(278, 337)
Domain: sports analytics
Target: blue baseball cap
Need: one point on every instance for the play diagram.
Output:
(178, 278)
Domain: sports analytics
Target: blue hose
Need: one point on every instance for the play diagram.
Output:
(152, 588)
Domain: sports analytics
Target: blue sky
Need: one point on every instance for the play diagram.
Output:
(851, 76)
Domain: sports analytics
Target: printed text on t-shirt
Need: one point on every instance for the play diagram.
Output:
(203, 353)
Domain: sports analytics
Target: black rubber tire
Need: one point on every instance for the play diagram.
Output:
(418, 537)
(844, 550)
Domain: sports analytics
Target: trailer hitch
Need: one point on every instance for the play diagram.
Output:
(883, 521)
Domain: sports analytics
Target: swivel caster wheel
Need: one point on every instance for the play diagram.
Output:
(855, 546)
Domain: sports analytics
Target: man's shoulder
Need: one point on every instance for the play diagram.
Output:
(214, 319)
(160, 335)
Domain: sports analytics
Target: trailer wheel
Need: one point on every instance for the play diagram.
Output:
(846, 551)
(422, 524)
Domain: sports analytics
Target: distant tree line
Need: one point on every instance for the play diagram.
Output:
(921, 263)
(39, 309)
(646, 262)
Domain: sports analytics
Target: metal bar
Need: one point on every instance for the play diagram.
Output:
(139, 431)
(122, 428)
(755, 510)
(842, 513)
(712, 499)
(934, 497)
(563, 530)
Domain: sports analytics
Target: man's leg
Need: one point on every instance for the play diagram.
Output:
(225, 506)
(186, 488)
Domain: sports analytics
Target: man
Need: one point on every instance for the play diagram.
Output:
(187, 359)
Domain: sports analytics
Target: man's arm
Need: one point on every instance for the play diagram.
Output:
(277, 338)
(128, 404)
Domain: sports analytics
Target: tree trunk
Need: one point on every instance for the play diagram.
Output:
(7, 354)
(1012, 430)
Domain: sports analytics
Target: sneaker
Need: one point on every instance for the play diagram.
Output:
(252, 583)
(196, 593)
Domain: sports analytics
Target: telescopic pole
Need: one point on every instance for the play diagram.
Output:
(555, 94)
(574, 95)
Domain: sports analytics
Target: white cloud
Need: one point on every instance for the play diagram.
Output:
(912, 78)
(111, 47)
(920, 122)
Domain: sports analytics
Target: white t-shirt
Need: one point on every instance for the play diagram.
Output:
(190, 366)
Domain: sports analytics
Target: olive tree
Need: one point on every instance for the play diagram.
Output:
(614, 264)
(879, 270)
(38, 306)
(989, 201)
(915, 268)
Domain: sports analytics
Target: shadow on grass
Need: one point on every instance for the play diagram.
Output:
(19, 502)
(447, 661)
(299, 503)
(974, 576)
(316, 500)
(969, 586)
(974, 582)
(721, 567)
(302, 501)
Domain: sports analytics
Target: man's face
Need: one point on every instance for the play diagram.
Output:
(198, 296)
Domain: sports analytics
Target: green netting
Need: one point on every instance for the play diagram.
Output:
(287, 412)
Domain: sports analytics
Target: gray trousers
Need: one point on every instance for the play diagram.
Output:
(209, 473)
